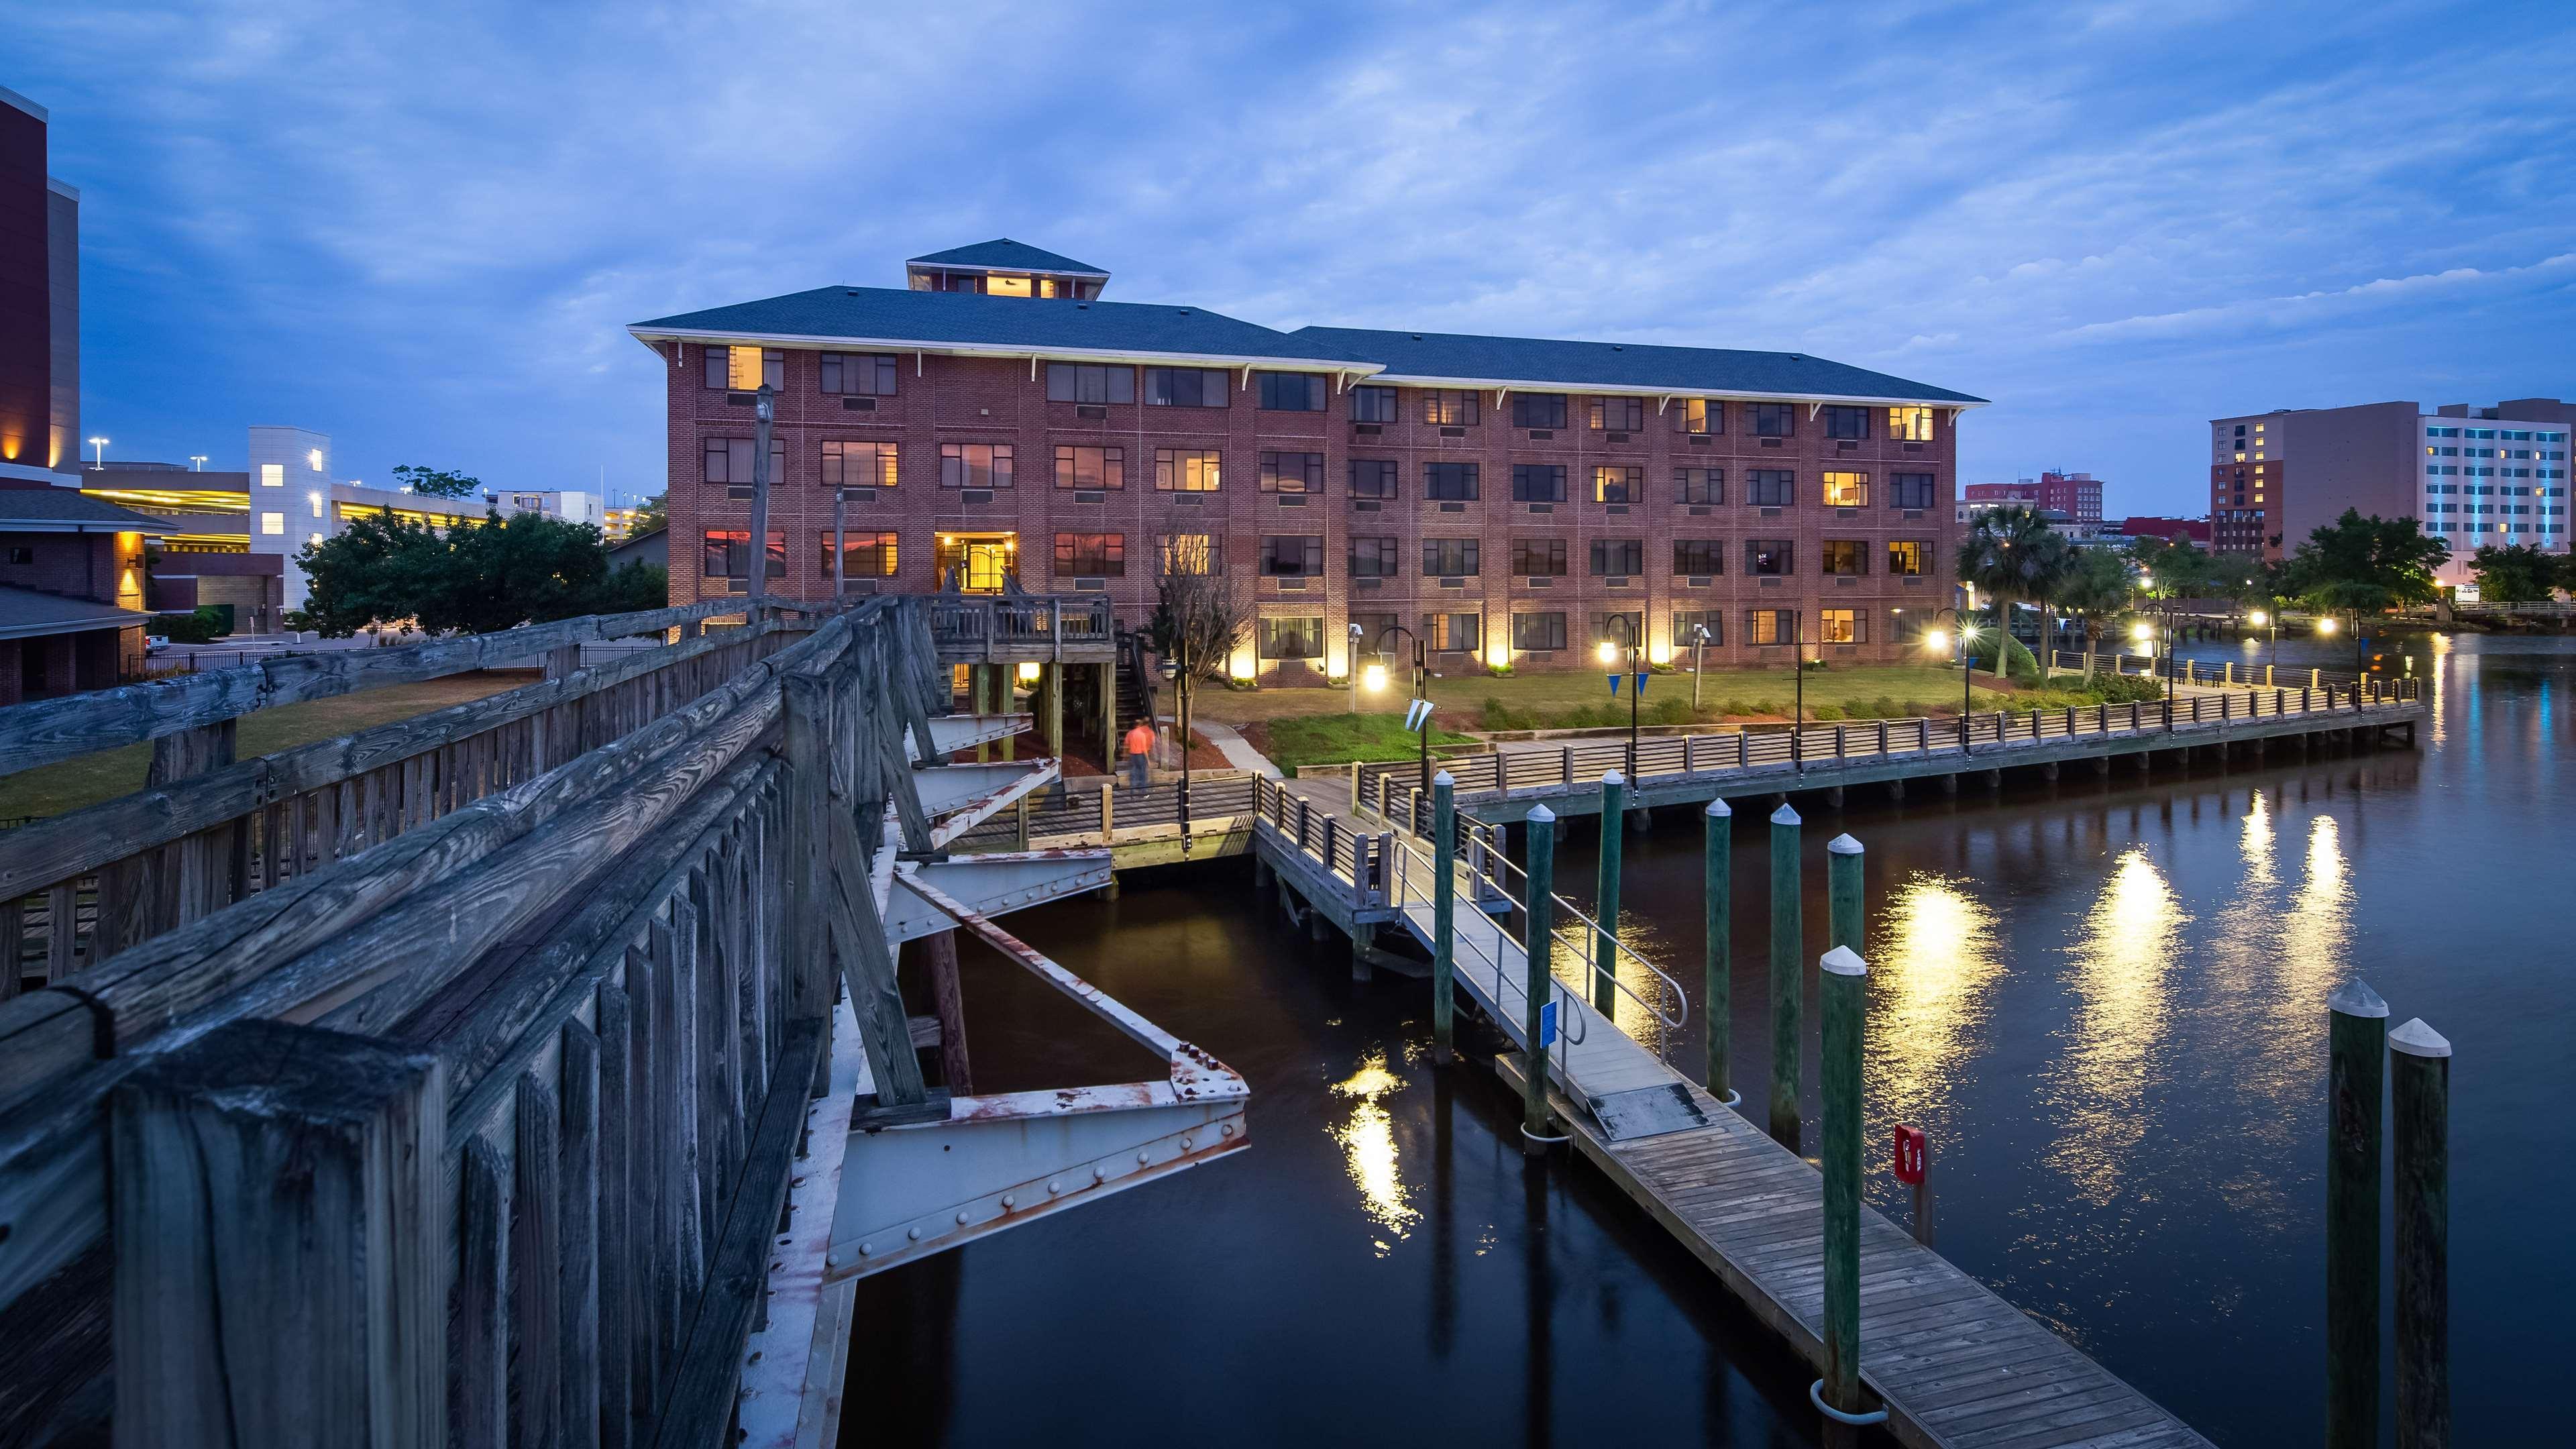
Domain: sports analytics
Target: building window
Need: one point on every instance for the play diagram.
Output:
(1373, 405)
(868, 374)
(1454, 633)
(975, 465)
(1688, 623)
(728, 554)
(1699, 556)
(1538, 633)
(1450, 558)
(1292, 638)
(1091, 555)
(1370, 633)
(1910, 425)
(1845, 557)
(1906, 557)
(1769, 557)
(272, 523)
(1618, 557)
(1290, 392)
(1449, 482)
(1190, 554)
(1913, 490)
(1538, 410)
(1449, 407)
(272, 475)
(1090, 469)
(1770, 626)
(1699, 485)
(1085, 382)
(1774, 420)
(1292, 472)
(1699, 415)
(1185, 470)
(18, 555)
(1846, 422)
(1292, 557)
(745, 369)
(1538, 557)
(1184, 387)
(1538, 482)
(1842, 626)
(1373, 558)
(1619, 630)
(1373, 477)
(1618, 414)
(858, 464)
(728, 460)
(866, 556)
(1618, 485)
(1846, 490)
(1770, 487)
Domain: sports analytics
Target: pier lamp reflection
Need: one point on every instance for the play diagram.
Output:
(2126, 947)
(1929, 975)
(1368, 1148)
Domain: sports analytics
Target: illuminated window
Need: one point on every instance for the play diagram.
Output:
(1618, 485)
(728, 554)
(272, 475)
(1910, 425)
(744, 369)
(1842, 626)
(316, 501)
(1846, 490)
(1769, 626)
(272, 523)
(1699, 415)
(1185, 470)
(867, 556)
(1292, 638)
(1453, 633)
(1907, 556)
(856, 464)
(1007, 286)
(1190, 554)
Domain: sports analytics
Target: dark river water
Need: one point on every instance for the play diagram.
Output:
(2103, 999)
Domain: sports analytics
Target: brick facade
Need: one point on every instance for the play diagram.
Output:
(969, 400)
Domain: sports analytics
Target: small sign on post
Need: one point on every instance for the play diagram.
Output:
(1547, 1026)
(1913, 1158)
(1417, 715)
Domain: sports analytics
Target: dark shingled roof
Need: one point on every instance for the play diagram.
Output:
(1004, 254)
(972, 319)
(27, 613)
(68, 505)
(1617, 364)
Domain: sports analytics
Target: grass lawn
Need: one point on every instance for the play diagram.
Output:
(1336, 738)
(89, 779)
(1554, 699)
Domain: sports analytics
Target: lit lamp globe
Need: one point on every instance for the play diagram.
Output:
(1374, 677)
(1937, 640)
(1608, 652)
(2326, 625)
(2258, 618)
(2141, 632)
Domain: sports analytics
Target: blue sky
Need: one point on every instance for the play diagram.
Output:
(421, 229)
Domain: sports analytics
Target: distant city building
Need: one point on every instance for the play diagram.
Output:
(617, 524)
(71, 592)
(2172, 530)
(2473, 475)
(231, 538)
(571, 507)
(2077, 495)
(40, 432)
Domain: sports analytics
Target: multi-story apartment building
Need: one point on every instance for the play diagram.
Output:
(2076, 495)
(40, 432)
(1512, 501)
(2473, 475)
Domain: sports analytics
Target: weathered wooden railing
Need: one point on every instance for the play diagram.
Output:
(208, 831)
(1009, 628)
(476, 1128)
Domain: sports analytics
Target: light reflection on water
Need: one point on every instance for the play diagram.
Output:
(2129, 941)
(1930, 965)
(1368, 1147)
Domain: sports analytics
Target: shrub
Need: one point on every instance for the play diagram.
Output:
(204, 626)
(1826, 713)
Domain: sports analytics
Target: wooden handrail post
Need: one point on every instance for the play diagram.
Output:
(1108, 787)
(280, 1232)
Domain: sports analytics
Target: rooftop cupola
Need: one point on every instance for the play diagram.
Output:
(1005, 268)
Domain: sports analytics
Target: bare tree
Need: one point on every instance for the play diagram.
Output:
(1199, 618)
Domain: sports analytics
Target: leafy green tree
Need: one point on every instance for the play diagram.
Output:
(526, 569)
(2172, 568)
(2516, 573)
(2358, 565)
(436, 482)
(651, 516)
(2013, 555)
(2096, 590)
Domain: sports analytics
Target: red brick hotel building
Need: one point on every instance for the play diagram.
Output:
(1513, 500)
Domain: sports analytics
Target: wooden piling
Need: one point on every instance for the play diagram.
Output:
(2357, 1046)
(2419, 1062)
(1844, 989)
(1717, 990)
(1787, 985)
(1537, 1126)
(1444, 909)
(1605, 945)
(1842, 891)
(280, 1232)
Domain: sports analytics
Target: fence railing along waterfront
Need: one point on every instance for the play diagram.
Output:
(472, 1120)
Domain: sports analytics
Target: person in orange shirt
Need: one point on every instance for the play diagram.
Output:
(1139, 745)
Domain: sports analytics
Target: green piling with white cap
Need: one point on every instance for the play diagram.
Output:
(1717, 989)
(1842, 891)
(1788, 985)
(1538, 1131)
(1444, 911)
(2357, 1051)
(2419, 1093)
(1843, 993)
(1605, 944)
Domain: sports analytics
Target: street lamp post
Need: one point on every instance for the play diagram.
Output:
(1609, 654)
(1351, 667)
(1176, 668)
(1699, 662)
(1421, 692)
(1937, 639)
(764, 412)
(99, 447)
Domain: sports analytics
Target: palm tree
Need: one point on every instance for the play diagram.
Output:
(2014, 555)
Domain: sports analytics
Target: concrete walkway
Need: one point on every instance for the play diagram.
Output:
(1237, 750)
